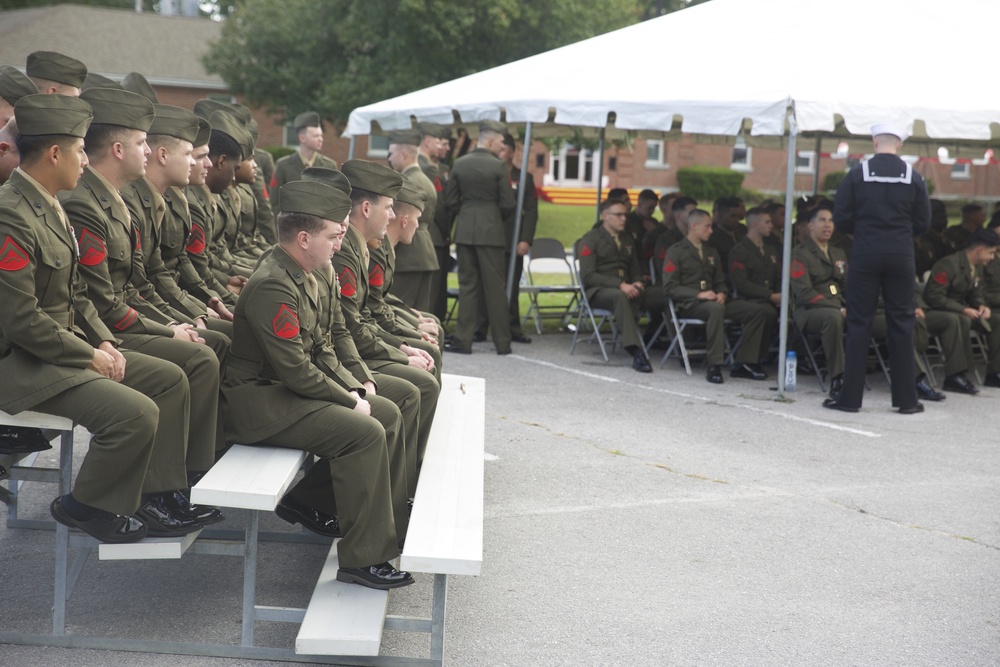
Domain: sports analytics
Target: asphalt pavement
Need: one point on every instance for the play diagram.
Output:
(633, 520)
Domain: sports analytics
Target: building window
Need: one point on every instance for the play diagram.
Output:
(961, 171)
(612, 164)
(540, 160)
(656, 154)
(378, 146)
(805, 162)
(291, 137)
(742, 155)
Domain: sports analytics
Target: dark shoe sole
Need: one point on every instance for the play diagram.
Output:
(831, 404)
(351, 578)
(287, 515)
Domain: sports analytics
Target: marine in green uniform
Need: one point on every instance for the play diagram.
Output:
(276, 394)
(110, 253)
(416, 262)
(309, 130)
(693, 278)
(609, 272)
(13, 86)
(435, 144)
(55, 74)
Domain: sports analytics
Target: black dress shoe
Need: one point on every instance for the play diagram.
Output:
(503, 352)
(179, 504)
(926, 391)
(478, 337)
(17, 440)
(453, 347)
(834, 404)
(960, 383)
(640, 363)
(106, 527)
(161, 521)
(520, 338)
(383, 576)
(837, 386)
(992, 380)
(311, 519)
(714, 375)
(748, 372)
(916, 409)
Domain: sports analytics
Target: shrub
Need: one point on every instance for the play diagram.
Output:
(833, 180)
(278, 152)
(709, 183)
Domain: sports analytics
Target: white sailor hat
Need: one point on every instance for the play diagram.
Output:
(889, 128)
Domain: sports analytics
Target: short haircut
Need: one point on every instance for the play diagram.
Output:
(697, 214)
(682, 203)
(8, 132)
(938, 207)
(290, 224)
(983, 237)
(823, 206)
(994, 221)
(756, 212)
(101, 136)
(221, 143)
(608, 203)
(401, 208)
(773, 206)
(969, 209)
(618, 193)
(668, 198)
(358, 195)
(648, 195)
(168, 141)
(725, 203)
(31, 148)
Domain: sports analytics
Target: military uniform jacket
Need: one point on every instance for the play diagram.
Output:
(753, 274)
(274, 377)
(174, 237)
(333, 323)
(265, 214)
(438, 221)
(48, 327)
(419, 255)
(148, 210)
(351, 267)
(224, 228)
(381, 268)
(290, 168)
(529, 211)
(247, 240)
(478, 197)
(818, 280)
(603, 263)
(201, 208)
(954, 285)
(109, 252)
(991, 283)
(686, 273)
(883, 202)
(724, 241)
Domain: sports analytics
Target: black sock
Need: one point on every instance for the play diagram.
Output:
(78, 510)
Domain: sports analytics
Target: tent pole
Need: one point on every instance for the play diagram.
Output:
(600, 174)
(819, 145)
(525, 150)
(350, 149)
(786, 254)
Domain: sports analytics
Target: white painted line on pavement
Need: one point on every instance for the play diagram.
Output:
(704, 399)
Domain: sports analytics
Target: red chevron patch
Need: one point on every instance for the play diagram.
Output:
(669, 267)
(737, 265)
(376, 276)
(941, 278)
(12, 256)
(196, 240)
(348, 282)
(798, 269)
(92, 248)
(285, 323)
(585, 251)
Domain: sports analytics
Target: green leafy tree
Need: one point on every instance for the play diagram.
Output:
(335, 55)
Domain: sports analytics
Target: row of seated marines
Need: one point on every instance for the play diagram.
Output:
(89, 333)
(718, 270)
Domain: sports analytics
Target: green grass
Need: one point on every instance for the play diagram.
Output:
(565, 223)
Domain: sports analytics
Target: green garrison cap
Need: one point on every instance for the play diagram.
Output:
(204, 108)
(226, 123)
(120, 107)
(314, 198)
(39, 115)
(95, 80)
(435, 130)
(410, 195)
(492, 126)
(136, 83)
(174, 122)
(204, 133)
(372, 177)
(254, 131)
(14, 85)
(331, 177)
(307, 119)
(407, 137)
(56, 67)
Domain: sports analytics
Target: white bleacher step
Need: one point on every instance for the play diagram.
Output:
(28, 419)
(445, 533)
(253, 478)
(151, 548)
(342, 619)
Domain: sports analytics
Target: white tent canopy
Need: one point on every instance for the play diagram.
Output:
(729, 63)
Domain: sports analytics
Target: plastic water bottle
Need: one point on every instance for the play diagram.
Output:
(791, 367)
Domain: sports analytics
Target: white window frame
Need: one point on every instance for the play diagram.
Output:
(961, 171)
(741, 166)
(661, 162)
(810, 167)
(377, 151)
